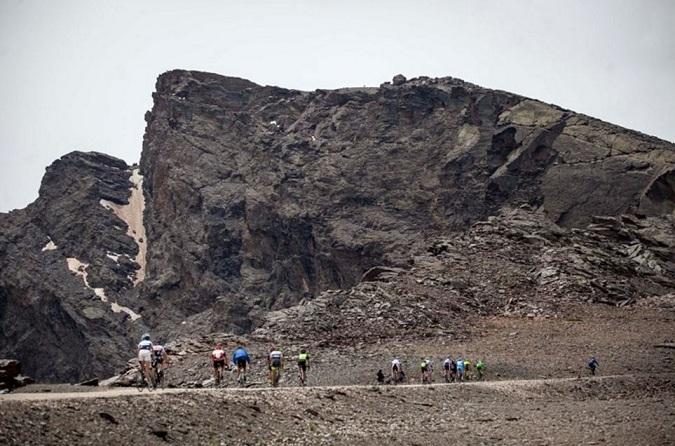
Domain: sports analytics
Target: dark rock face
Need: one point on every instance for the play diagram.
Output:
(52, 321)
(278, 194)
(517, 263)
(254, 198)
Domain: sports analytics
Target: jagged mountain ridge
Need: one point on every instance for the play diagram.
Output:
(256, 197)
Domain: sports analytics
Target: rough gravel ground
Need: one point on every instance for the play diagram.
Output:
(513, 347)
(632, 402)
(605, 410)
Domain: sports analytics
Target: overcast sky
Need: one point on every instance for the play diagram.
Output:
(78, 75)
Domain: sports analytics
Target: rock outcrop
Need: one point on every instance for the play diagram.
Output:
(278, 194)
(10, 375)
(253, 198)
(66, 272)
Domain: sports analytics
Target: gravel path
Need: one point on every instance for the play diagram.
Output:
(115, 392)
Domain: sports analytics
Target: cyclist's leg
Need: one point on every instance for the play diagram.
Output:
(216, 373)
(141, 371)
(146, 373)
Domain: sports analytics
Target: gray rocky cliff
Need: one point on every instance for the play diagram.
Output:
(275, 194)
(252, 198)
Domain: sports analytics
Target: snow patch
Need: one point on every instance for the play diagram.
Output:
(50, 246)
(118, 308)
(115, 257)
(132, 214)
(80, 269)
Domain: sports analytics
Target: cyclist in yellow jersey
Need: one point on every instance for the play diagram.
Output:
(468, 375)
(303, 365)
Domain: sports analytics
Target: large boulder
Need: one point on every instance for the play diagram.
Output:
(10, 375)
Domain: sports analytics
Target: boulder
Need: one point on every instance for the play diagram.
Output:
(10, 375)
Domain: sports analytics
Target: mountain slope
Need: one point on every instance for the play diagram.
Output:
(255, 198)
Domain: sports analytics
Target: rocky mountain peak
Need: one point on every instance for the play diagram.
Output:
(249, 199)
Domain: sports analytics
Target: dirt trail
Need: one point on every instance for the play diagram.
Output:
(123, 392)
(610, 409)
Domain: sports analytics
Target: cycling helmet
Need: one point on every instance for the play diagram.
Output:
(145, 337)
(302, 350)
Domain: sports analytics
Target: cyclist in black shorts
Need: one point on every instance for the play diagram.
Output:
(303, 365)
(240, 359)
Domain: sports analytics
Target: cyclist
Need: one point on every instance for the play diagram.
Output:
(396, 370)
(380, 377)
(275, 363)
(303, 365)
(467, 370)
(160, 360)
(218, 359)
(145, 356)
(593, 364)
(480, 367)
(425, 369)
(449, 368)
(460, 369)
(240, 359)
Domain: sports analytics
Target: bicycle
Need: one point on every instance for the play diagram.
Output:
(426, 379)
(158, 374)
(241, 379)
(302, 373)
(275, 375)
(143, 382)
(219, 375)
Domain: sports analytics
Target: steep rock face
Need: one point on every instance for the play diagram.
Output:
(259, 196)
(66, 268)
(251, 198)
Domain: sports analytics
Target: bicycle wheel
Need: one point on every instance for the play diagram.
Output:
(140, 379)
(161, 378)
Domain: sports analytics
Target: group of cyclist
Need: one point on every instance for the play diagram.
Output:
(241, 360)
(153, 361)
(459, 370)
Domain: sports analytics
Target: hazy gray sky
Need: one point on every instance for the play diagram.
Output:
(78, 75)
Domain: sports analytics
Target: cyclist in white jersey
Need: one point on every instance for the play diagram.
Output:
(396, 370)
(275, 363)
(145, 355)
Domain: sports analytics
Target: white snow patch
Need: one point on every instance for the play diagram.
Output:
(115, 257)
(50, 246)
(132, 214)
(80, 268)
(117, 308)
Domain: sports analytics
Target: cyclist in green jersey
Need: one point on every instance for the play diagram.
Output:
(303, 365)
(480, 368)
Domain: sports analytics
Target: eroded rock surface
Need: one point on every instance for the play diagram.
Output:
(66, 265)
(250, 199)
(279, 194)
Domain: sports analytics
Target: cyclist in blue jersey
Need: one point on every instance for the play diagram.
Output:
(241, 359)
